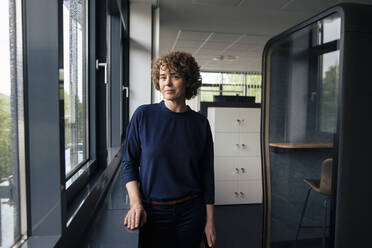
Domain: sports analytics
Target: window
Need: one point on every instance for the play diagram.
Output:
(233, 84)
(253, 84)
(211, 86)
(329, 86)
(12, 184)
(75, 84)
(329, 29)
(328, 36)
(230, 84)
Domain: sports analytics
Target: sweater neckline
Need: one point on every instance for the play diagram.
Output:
(165, 108)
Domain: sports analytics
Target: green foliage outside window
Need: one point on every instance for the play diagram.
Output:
(328, 107)
(207, 93)
(5, 137)
(67, 120)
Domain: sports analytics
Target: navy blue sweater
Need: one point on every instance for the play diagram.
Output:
(169, 153)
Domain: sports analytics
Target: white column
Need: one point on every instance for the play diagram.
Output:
(140, 32)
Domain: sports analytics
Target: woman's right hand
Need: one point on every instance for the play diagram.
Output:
(136, 217)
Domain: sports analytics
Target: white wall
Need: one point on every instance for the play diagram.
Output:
(140, 32)
(156, 95)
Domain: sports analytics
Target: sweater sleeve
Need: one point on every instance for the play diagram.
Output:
(207, 163)
(132, 150)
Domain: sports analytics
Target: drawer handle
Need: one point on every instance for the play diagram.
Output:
(237, 146)
(237, 122)
(242, 195)
(236, 195)
(243, 170)
(244, 146)
(236, 172)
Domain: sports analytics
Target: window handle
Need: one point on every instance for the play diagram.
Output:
(126, 88)
(104, 65)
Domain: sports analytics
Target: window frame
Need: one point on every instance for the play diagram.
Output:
(76, 186)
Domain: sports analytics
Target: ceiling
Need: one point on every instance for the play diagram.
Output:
(235, 29)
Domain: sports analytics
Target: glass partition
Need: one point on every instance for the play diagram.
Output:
(302, 77)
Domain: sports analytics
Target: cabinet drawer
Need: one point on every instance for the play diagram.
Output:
(249, 144)
(235, 144)
(250, 191)
(225, 169)
(226, 192)
(248, 168)
(226, 144)
(226, 119)
(250, 119)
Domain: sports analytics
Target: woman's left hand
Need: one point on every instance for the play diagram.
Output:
(210, 233)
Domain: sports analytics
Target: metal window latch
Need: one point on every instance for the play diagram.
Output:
(104, 65)
(126, 88)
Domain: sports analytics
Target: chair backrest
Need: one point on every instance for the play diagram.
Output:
(326, 177)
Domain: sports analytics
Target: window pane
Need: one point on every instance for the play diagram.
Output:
(232, 90)
(211, 77)
(328, 101)
(254, 86)
(11, 106)
(233, 84)
(210, 85)
(207, 93)
(75, 96)
(331, 28)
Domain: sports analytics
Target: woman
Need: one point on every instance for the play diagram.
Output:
(168, 161)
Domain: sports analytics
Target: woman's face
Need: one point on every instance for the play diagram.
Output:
(171, 84)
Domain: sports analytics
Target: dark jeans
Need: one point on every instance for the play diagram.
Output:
(178, 226)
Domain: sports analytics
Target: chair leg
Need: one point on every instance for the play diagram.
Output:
(325, 204)
(302, 215)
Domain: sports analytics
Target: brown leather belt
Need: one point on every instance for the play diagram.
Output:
(187, 197)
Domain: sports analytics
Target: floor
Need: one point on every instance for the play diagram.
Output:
(235, 224)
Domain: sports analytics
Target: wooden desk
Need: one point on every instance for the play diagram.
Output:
(313, 145)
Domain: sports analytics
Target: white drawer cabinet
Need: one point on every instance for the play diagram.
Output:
(237, 161)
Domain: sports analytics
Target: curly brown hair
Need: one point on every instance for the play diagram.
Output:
(182, 63)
